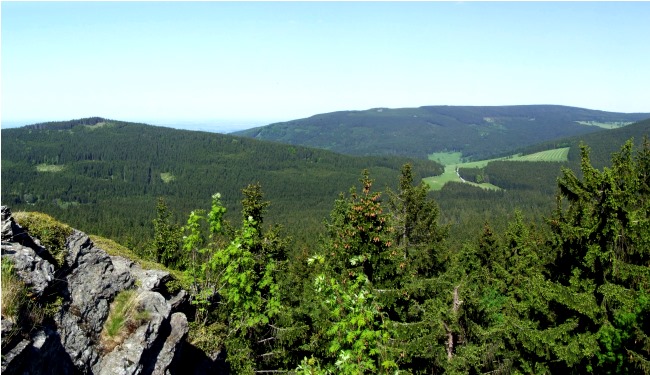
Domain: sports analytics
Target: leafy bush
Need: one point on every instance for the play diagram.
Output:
(50, 232)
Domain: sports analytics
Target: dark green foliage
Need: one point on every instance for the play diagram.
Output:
(601, 274)
(415, 220)
(104, 176)
(166, 245)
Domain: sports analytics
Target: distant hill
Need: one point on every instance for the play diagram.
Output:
(477, 132)
(103, 176)
(601, 144)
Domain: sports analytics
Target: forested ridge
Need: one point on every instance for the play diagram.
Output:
(104, 176)
(479, 132)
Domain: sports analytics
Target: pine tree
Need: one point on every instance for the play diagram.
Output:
(166, 244)
(601, 274)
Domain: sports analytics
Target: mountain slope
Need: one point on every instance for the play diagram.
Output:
(477, 132)
(89, 172)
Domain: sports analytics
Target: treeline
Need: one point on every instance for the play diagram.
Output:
(516, 175)
(384, 292)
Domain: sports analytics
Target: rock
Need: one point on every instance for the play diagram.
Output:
(130, 357)
(25, 254)
(179, 299)
(6, 231)
(173, 343)
(42, 354)
(150, 279)
(77, 343)
(15, 358)
(36, 272)
(93, 282)
(87, 284)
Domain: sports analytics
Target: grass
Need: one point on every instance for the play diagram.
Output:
(115, 249)
(125, 316)
(167, 177)
(17, 304)
(50, 232)
(446, 158)
(14, 292)
(100, 125)
(605, 125)
(452, 160)
(51, 168)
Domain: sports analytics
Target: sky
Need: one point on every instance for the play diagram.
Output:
(244, 64)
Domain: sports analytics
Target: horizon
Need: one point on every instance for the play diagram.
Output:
(242, 65)
(227, 126)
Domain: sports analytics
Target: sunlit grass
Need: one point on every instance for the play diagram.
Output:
(167, 177)
(49, 168)
(453, 160)
(125, 316)
(605, 125)
(446, 158)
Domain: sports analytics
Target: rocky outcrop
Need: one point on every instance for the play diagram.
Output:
(77, 298)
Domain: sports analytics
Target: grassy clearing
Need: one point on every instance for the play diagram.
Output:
(437, 182)
(49, 168)
(555, 155)
(167, 177)
(605, 125)
(98, 125)
(446, 158)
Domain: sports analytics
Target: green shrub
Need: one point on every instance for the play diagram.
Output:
(50, 232)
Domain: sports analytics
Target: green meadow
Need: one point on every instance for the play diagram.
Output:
(453, 160)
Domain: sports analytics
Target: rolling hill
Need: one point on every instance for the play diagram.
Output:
(103, 176)
(476, 132)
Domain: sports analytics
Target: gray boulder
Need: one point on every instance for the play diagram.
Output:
(92, 282)
(86, 284)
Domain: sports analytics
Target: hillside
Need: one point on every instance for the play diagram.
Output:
(476, 132)
(526, 185)
(88, 172)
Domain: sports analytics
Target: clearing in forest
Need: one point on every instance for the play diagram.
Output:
(452, 162)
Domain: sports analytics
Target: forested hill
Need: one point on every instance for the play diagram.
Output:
(601, 144)
(103, 176)
(477, 132)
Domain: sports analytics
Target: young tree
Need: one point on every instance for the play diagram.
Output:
(358, 260)
(167, 238)
(416, 230)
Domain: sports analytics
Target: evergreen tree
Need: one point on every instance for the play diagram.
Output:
(166, 244)
(601, 273)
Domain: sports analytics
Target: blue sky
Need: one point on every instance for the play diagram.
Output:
(255, 63)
